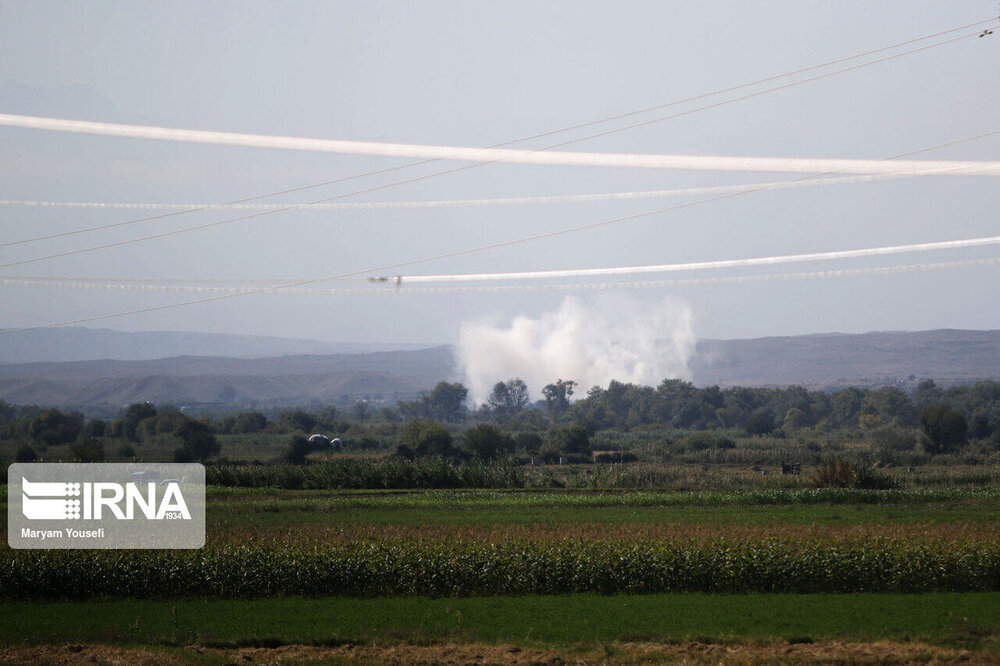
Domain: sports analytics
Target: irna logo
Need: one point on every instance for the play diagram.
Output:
(47, 500)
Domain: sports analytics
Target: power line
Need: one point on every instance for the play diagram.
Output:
(119, 284)
(438, 203)
(469, 166)
(747, 190)
(457, 253)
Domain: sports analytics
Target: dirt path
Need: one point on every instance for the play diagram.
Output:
(829, 652)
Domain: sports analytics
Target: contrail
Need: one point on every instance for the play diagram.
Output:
(123, 284)
(698, 265)
(510, 155)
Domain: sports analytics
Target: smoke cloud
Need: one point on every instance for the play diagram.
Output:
(590, 343)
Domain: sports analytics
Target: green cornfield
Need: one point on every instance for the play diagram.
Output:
(413, 567)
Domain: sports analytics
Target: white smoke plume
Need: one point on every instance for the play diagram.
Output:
(589, 343)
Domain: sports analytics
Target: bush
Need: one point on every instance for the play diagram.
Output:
(761, 422)
(199, 442)
(487, 442)
(838, 473)
(945, 428)
(571, 439)
(833, 473)
(893, 439)
(427, 438)
(26, 454)
(297, 451)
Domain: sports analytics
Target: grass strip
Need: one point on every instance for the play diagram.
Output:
(958, 620)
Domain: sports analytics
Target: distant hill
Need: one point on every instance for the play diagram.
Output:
(832, 360)
(225, 382)
(88, 344)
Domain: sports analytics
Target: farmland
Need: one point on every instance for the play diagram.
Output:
(589, 574)
(535, 538)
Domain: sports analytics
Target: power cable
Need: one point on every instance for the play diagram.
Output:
(470, 166)
(447, 255)
(118, 284)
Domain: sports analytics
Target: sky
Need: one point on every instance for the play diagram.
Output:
(476, 74)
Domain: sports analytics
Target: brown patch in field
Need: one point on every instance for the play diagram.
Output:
(825, 652)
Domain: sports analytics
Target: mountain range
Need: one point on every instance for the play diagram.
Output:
(100, 371)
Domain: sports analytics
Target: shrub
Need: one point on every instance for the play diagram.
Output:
(945, 428)
(26, 454)
(833, 473)
(427, 438)
(486, 441)
(297, 450)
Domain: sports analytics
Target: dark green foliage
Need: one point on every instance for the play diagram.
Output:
(557, 397)
(407, 568)
(298, 421)
(761, 422)
(447, 401)
(507, 399)
(427, 438)
(249, 422)
(945, 428)
(199, 442)
(530, 442)
(297, 450)
(88, 450)
(893, 439)
(52, 427)
(571, 439)
(487, 442)
(134, 415)
(25, 454)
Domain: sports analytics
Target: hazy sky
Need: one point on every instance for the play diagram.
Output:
(476, 74)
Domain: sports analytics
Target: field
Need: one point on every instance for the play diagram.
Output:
(765, 569)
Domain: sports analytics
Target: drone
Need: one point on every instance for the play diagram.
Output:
(986, 32)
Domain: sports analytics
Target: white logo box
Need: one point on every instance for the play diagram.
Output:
(105, 505)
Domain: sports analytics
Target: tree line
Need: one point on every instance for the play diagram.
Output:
(442, 423)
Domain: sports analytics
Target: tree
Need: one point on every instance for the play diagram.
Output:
(795, 418)
(508, 398)
(487, 441)
(88, 450)
(557, 397)
(198, 442)
(426, 438)
(571, 439)
(52, 427)
(298, 420)
(447, 401)
(134, 415)
(945, 428)
(761, 422)
(249, 422)
(847, 406)
(927, 393)
(25, 454)
(297, 450)
(361, 410)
